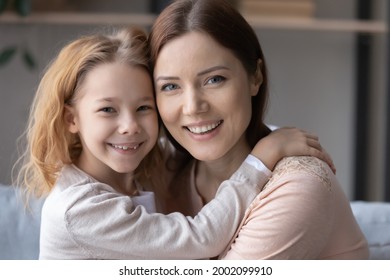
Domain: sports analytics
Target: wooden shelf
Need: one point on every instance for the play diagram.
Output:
(318, 24)
(70, 18)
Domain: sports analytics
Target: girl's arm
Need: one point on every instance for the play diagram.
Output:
(290, 141)
(105, 225)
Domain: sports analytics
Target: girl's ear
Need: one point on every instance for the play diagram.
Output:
(257, 78)
(70, 119)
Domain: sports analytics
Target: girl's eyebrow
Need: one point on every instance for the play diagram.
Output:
(147, 98)
(110, 99)
(105, 99)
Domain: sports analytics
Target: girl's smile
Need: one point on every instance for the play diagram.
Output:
(126, 148)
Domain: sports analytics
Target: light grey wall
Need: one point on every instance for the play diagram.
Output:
(18, 83)
(311, 85)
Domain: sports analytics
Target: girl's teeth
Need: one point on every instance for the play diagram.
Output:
(125, 148)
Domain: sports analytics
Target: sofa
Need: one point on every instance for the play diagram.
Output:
(19, 227)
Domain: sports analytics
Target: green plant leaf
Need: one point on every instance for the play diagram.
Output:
(3, 5)
(29, 60)
(23, 7)
(6, 55)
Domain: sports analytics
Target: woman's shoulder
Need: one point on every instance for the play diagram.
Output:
(302, 167)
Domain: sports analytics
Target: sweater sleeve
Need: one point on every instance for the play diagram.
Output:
(105, 225)
(292, 217)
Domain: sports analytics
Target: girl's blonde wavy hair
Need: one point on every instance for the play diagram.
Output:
(49, 143)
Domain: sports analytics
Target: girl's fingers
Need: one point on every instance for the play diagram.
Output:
(314, 144)
(311, 136)
(324, 156)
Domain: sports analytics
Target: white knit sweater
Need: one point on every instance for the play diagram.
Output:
(85, 219)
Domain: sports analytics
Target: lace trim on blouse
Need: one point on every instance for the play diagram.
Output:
(310, 165)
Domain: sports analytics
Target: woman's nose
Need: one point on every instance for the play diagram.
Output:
(194, 103)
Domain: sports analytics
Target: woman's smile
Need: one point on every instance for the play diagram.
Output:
(202, 129)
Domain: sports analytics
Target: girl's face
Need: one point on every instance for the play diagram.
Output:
(204, 96)
(115, 117)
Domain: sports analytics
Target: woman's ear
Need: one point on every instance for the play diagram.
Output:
(257, 78)
(70, 119)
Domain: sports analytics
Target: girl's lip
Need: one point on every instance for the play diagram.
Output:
(126, 146)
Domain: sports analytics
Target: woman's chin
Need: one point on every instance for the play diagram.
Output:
(205, 156)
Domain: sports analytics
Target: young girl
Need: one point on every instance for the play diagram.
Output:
(91, 139)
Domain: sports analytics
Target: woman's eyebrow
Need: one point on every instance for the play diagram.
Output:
(165, 78)
(211, 69)
(206, 71)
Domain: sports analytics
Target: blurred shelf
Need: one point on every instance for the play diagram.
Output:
(280, 23)
(73, 18)
(314, 24)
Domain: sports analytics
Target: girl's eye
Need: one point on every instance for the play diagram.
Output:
(215, 80)
(169, 87)
(144, 108)
(107, 110)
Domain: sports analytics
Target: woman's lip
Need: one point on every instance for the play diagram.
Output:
(205, 129)
(202, 123)
(203, 126)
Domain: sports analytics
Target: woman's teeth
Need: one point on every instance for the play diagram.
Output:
(204, 128)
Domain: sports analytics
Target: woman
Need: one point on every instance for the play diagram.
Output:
(211, 88)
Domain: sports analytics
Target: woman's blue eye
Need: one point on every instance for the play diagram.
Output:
(169, 87)
(215, 80)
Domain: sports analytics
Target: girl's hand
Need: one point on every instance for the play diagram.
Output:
(289, 141)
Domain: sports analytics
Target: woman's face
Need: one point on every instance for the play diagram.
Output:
(204, 96)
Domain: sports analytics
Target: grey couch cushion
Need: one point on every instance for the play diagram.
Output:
(19, 227)
(374, 220)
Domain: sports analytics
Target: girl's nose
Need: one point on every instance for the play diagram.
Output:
(129, 125)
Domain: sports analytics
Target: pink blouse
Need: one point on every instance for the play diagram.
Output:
(301, 213)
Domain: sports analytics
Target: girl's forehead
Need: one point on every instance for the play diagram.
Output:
(116, 80)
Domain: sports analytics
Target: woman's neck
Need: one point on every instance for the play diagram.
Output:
(210, 174)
